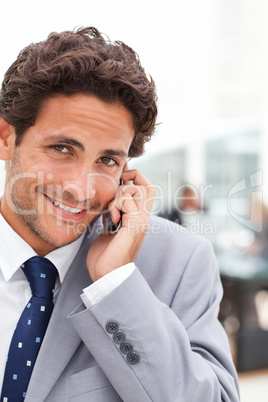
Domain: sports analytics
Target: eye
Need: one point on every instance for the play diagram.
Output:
(61, 148)
(108, 161)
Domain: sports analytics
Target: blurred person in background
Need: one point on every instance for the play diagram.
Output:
(259, 217)
(188, 204)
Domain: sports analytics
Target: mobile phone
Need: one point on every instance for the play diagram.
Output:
(114, 227)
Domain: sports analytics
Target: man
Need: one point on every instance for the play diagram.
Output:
(73, 109)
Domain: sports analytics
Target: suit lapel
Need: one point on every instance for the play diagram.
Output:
(61, 339)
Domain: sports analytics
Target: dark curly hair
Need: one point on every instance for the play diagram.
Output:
(79, 61)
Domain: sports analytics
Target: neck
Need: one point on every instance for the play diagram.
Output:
(16, 222)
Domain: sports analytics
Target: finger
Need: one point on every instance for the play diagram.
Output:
(136, 177)
(135, 191)
(125, 204)
(125, 169)
(147, 189)
(139, 194)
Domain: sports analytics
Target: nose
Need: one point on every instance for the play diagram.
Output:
(82, 186)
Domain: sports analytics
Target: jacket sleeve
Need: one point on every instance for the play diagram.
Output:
(154, 351)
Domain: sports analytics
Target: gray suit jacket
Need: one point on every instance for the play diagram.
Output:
(165, 312)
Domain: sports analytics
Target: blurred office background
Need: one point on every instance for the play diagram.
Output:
(209, 60)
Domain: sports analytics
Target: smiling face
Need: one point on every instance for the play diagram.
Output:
(66, 169)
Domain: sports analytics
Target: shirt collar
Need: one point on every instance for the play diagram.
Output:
(14, 251)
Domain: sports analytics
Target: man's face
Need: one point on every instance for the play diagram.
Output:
(66, 169)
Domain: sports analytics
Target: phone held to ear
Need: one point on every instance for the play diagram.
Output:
(114, 227)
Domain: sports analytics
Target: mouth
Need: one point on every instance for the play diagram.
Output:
(66, 208)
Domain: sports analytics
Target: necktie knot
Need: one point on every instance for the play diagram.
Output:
(41, 275)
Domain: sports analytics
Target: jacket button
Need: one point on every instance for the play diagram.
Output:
(119, 337)
(111, 327)
(126, 348)
(133, 358)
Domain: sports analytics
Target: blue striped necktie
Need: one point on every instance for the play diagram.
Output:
(30, 330)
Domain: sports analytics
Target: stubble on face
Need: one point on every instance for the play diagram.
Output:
(29, 209)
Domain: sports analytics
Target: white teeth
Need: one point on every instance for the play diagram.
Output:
(67, 209)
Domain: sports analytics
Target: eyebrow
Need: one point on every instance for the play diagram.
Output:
(61, 139)
(115, 152)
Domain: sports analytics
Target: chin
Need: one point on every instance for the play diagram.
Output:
(67, 238)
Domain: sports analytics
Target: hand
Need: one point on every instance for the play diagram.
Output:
(111, 251)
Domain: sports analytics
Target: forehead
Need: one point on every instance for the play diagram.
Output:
(83, 104)
(84, 112)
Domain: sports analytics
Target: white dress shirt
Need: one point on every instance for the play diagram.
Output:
(14, 288)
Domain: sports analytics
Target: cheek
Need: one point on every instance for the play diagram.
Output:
(106, 188)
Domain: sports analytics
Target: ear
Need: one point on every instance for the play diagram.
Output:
(7, 140)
